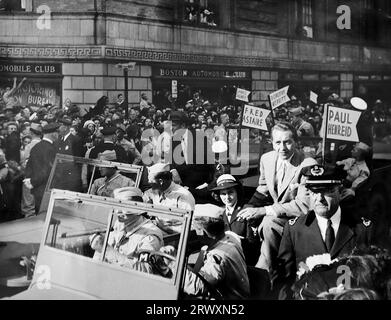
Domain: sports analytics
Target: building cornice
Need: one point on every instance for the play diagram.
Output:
(114, 54)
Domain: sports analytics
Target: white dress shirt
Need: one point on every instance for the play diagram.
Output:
(335, 220)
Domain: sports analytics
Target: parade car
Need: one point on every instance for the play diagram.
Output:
(66, 267)
(20, 239)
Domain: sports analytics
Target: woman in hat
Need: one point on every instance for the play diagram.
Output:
(231, 195)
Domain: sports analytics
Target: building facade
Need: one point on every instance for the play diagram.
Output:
(70, 49)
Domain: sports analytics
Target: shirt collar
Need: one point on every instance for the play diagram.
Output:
(48, 140)
(335, 219)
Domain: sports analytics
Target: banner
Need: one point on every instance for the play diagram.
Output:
(255, 117)
(341, 124)
(242, 94)
(279, 97)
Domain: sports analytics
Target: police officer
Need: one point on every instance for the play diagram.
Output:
(112, 179)
(325, 229)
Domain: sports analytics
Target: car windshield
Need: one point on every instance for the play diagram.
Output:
(125, 235)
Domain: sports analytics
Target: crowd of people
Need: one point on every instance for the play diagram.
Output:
(296, 211)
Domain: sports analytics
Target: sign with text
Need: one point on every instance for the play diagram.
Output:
(174, 89)
(255, 117)
(279, 97)
(33, 93)
(242, 94)
(341, 124)
(30, 68)
(189, 73)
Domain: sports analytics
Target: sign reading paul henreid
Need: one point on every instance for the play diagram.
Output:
(341, 124)
(255, 117)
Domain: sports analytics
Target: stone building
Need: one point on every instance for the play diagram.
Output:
(70, 49)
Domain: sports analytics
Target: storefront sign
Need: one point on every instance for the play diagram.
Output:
(279, 97)
(30, 68)
(255, 117)
(199, 74)
(242, 94)
(341, 124)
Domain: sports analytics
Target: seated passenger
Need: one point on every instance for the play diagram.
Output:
(356, 168)
(220, 268)
(111, 179)
(132, 234)
(231, 194)
(167, 193)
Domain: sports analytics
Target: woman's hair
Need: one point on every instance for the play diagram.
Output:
(357, 294)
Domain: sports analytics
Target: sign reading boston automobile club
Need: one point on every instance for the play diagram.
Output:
(200, 73)
(30, 68)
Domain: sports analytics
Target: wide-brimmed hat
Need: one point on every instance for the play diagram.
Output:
(127, 193)
(36, 128)
(225, 181)
(107, 155)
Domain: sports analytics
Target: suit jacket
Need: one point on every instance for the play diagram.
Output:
(250, 243)
(40, 163)
(292, 199)
(302, 238)
(71, 146)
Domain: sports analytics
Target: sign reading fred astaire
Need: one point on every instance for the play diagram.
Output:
(255, 117)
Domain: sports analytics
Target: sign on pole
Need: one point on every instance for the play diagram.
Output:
(279, 97)
(313, 97)
(255, 117)
(242, 94)
(174, 89)
(341, 124)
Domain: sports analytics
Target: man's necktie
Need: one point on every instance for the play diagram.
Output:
(330, 236)
(280, 175)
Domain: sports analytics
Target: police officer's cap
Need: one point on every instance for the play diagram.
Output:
(320, 178)
(51, 127)
(108, 131)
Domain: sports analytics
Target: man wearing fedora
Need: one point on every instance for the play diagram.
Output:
(326, 229)
(279, 195)
(40, 163)
(111, 178)
(28, 204)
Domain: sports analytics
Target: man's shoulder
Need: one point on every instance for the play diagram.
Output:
(269, 156)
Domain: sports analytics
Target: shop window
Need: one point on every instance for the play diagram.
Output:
(201, 12)
(370, 20)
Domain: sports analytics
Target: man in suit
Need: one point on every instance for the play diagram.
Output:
(68, 174)
(40, 163)
(325, 229)
(279, 195)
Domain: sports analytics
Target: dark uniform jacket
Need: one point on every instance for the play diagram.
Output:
(302, 238)
(68, 174)
(250, 243)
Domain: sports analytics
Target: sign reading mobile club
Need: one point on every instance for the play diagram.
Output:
(341, 124)
(255, 117)
(279, 97)
(30, 68)
(189, 73)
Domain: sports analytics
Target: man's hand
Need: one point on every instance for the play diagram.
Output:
(347, 193)
(252, 215)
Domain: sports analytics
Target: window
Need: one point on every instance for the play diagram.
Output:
(16, 5)
(304, 17)
(201, 12)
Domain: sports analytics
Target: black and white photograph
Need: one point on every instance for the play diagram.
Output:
(196, 151)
